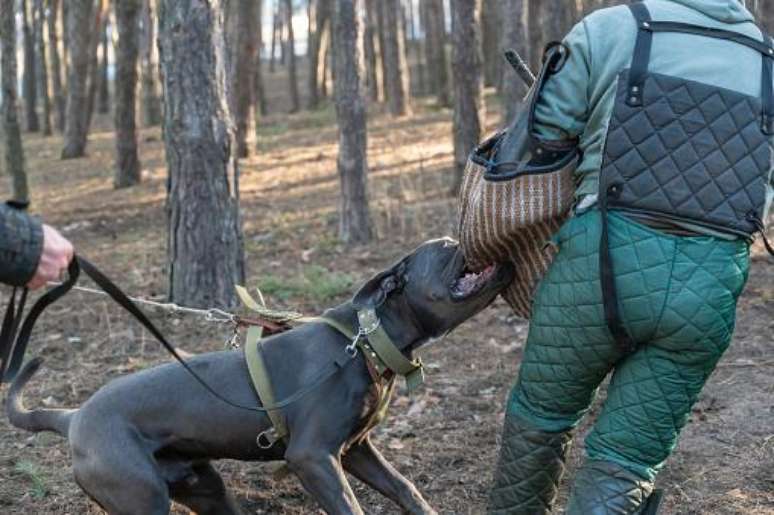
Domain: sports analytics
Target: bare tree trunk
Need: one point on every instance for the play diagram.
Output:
(14, 152)
(205, 247)
(536, 30)
(56, 65)
(395, 66)
(104, 86)
(295, 101)
(100, 19)
(466, 66)
(492, 19)
(41, 62)
(373, 54)
(261, 106)
(435, 32)
(514, 36)
(79, 26)
(244, 73)
(151, 102)
(276, 30)
(348, 30)
(65, 38)
(421, 69)
(319, 40)
(29, 79)
(127, 161)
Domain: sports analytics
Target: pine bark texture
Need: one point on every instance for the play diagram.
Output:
(319, 40)
(127, 172)
(41, 64)
(79, 26)
(468, 83)
(492, 20)
(104, 86)
(100, 19)
(29, 78)
(243, 71)
(205, 252)
(395, 66)
(435, 48)
(514, 35)
(260, 105)
(348, 29)
(373, 54)
(151, 101)
(11, 133)
(54, 11)
(295, 99)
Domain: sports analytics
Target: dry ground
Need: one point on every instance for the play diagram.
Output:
(444, 438)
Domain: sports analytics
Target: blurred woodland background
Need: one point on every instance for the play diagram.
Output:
(299, 146)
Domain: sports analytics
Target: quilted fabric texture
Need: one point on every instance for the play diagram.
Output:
(602, 488)
(678, 301)
(692, 152)
(528, 473)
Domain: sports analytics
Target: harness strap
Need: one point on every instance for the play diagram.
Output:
(259, 375)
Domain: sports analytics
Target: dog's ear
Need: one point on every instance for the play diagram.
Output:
(374, 292)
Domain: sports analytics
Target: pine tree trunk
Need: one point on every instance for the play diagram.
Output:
(244, 73)
(492, 19)
(395, 66)
(276, 31)
(79, 26)
(151, 102)
(467, 67)
(65, 37)
(348, 30)
(41, 70)
(29, 79)
(295, 101)
(373, 54)
(205, 247)
(100, 19)
(379, 13)
(536, 30)
(104, 86)
(127, 161)
(261, 106)
(435, 32)
(514, 36)
(319, 40)
(11, 133)
(56, 65)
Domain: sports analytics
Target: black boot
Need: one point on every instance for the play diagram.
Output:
(528, 472)
(605, 488)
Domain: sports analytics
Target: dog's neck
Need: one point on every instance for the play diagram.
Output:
(400, 327)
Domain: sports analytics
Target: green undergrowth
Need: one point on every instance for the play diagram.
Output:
(312, 283)
(32, 472)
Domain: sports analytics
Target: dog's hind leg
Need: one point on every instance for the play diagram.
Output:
(323, 477)
(204, 492)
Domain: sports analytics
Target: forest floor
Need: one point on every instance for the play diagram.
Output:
(444, 438)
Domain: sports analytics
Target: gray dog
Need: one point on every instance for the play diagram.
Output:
(146, 438)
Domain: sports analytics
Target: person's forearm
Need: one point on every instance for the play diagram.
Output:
(21, 245)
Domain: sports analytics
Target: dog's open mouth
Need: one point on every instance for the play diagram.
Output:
(471, 283)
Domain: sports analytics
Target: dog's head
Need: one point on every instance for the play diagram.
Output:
(432, 290)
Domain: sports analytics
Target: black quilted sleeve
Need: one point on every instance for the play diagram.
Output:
(21, 243)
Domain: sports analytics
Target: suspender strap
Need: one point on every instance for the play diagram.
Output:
(607, 280)
(641, 58)
(646, 27)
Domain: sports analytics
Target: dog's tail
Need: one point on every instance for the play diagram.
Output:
(56, 420)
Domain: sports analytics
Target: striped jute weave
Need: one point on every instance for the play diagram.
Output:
(513, 221)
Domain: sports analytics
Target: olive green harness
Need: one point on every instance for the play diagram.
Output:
(384, 360)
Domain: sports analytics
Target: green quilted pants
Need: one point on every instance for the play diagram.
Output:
(678, 301)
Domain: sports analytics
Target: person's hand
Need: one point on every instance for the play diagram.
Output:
(54, 260)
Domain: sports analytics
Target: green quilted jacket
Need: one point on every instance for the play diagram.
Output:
(579, 100)
(21, 243)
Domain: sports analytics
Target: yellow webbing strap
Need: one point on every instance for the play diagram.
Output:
(260, 377)
(390, 355)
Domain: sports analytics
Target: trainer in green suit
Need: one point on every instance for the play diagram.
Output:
(675, 123)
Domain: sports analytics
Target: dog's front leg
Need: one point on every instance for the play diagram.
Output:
(367, 464)
(322, 476)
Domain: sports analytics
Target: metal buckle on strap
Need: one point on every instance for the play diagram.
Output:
(267, 439)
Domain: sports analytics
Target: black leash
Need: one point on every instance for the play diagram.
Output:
(13, 348)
